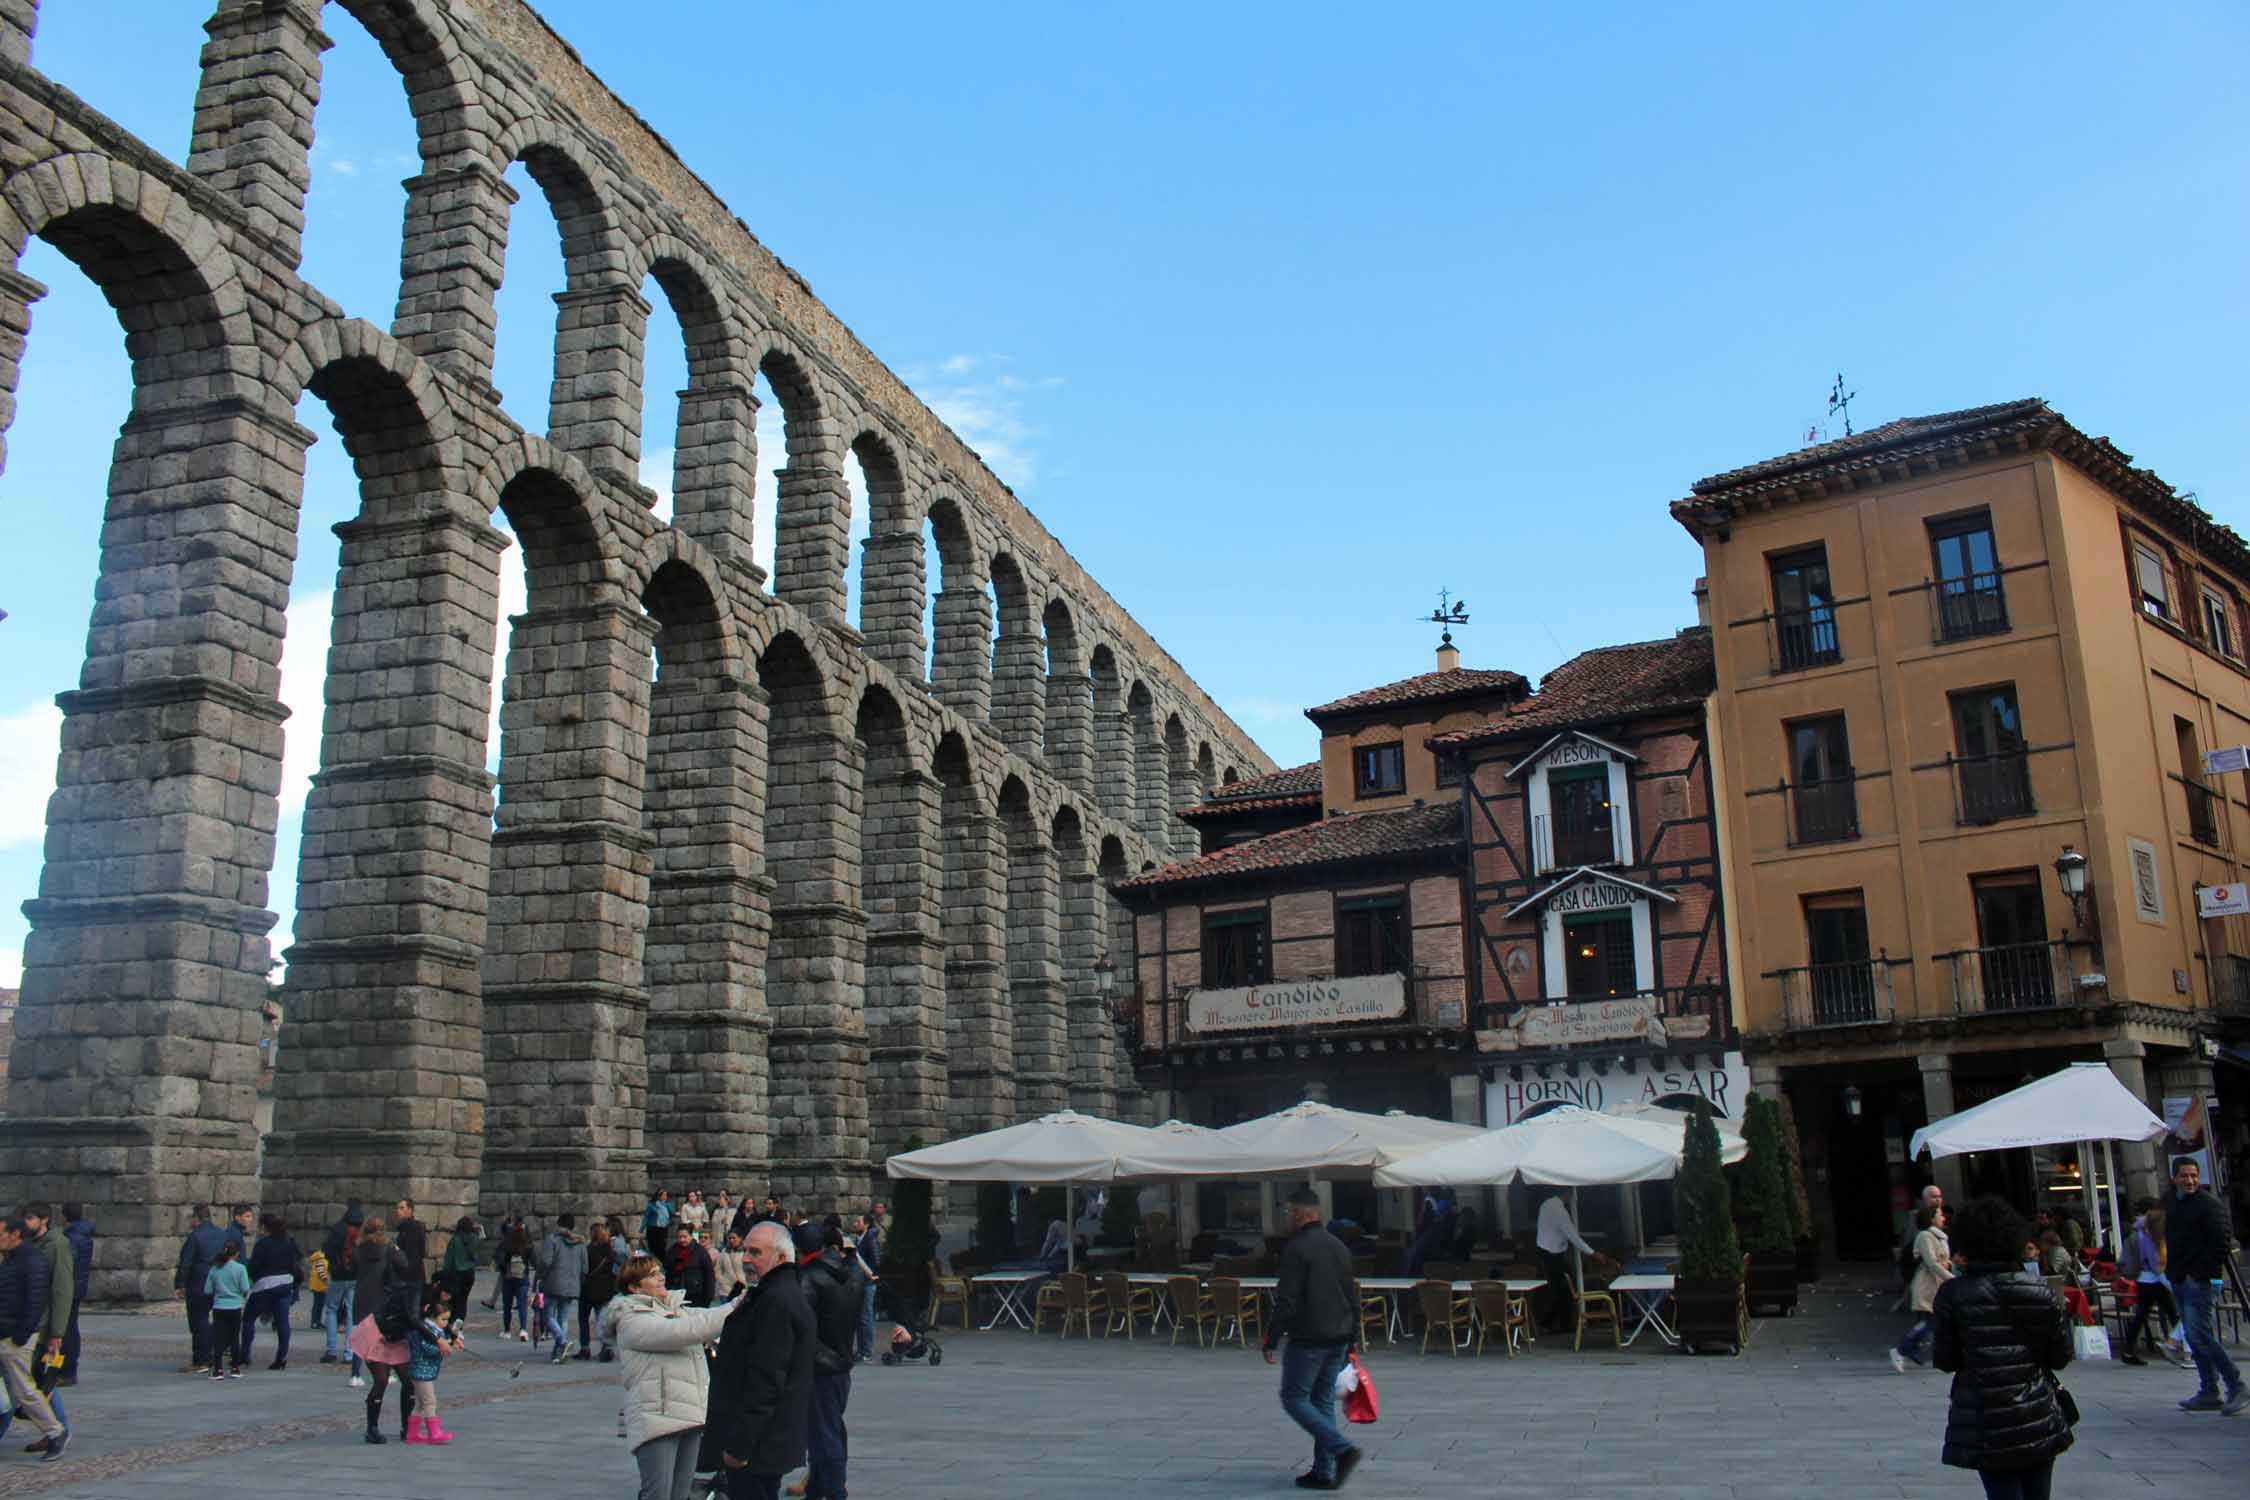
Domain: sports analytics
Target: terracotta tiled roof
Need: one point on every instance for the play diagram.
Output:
(1430, 687)
(1922, 444)
(1297, 781)
(1346, 839)
(1249, 805)
(1606, 683)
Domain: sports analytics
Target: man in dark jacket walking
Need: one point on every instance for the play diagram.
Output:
(412, 1238)
(761, 1382)
(2196, 1234)
(199, 1252)
(24, 1293)
(1316, 1309)
(832, 1281)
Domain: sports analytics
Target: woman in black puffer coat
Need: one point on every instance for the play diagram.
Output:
(2001, 1335)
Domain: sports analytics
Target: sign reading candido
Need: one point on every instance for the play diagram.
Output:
(1371, 997)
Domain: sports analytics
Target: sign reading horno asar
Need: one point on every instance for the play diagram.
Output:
(1371, 997)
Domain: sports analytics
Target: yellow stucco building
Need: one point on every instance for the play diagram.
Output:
(1966, 662)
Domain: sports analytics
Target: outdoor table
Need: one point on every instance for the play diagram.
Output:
(1009, 1286)
(1165, 1312)
(1392, 1287)
(1646, 1294)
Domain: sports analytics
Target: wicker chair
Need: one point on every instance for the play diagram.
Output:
(1191, 1308)
(1374, 1314)
(1597, 1308)
(1080, 1302)
(948, 1291)
(1497, 1307)
(1050, 1299)
(1442, 1309)
(1237, 1310)
(1127, 1302)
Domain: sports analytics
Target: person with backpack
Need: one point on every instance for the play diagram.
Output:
(2142, 1263)
(513, 1261)
(457, 1272)
(342, 1249)
(562, 1275)
(390, 1299)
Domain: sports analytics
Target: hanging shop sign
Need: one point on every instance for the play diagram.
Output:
(2230, 758)
(1593, 894)
(2222, 900)
(1256, 1007)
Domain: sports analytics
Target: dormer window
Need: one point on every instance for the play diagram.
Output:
(1379, 770)
(1584, 830)
(2154, 581)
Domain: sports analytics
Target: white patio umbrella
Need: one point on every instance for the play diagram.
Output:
(2084, 1103)
(1310, 1139)
(1065, 1147)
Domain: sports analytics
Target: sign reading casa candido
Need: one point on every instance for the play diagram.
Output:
(1370, 997)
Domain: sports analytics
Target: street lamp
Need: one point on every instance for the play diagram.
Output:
(2070, 874)
(1851, 1101)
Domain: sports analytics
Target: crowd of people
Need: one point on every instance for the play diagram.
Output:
(737, 1324)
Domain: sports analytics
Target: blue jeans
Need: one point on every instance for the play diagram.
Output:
(867, 1321)
(338, 1312)
(558, 1321)
(275, 1305)
(1917, 1341)
(515, 1302)
(826, 1444)
(1308, 1394)
(2198, 1299)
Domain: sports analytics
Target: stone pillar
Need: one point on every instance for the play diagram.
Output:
(963, 676)
(903, 874)
(709, 925)
(17, 293)
(980, 1049)
(1937, 1102)
(2143, 1173)
(564, 999)
(1185, 791)
(18, 19)
(254, 113)
(890, 601)
(594, 410)
(1765, 1078)
(133, 1078)
(1019, 706)
(716, 469)
(812, 537)
(1093, 1049)
(450, 265)
(1151, 795)
(1042, 1040)
(1113, 758)
(379, 1088)
(1070, 731)
(816, 966)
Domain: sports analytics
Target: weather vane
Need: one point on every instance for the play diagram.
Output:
(1449, 613)
(1839, 400)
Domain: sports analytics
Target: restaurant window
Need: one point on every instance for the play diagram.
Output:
(1584, 828)
(2218, 624)
(1379, 770)
(1969, 598)
(1598, 959)
(1448, 770)
(1804, 610)
(1823, 803)
(1992, 770)
(1234, 949)
(2202, 805)
(2153, 579)
(2015, 968)
(1370, 936)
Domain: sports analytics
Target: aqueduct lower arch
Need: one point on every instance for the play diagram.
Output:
(752, 898)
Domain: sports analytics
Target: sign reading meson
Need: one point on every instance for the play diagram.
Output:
(1372, 997)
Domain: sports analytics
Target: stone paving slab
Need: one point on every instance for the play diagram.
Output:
(1812, 1406)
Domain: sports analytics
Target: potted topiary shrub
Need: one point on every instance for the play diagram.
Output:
(1800, 1206)
(1708, 1292)
(1761, 1211)
(912, 1245)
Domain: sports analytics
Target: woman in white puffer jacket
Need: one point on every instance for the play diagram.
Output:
(666, 1378)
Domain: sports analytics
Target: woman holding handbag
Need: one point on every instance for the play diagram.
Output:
(2002, 1336)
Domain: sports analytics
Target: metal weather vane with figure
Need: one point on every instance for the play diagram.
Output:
(1449, 613)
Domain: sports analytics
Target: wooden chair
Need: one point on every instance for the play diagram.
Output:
(1497, 1307)
(1597, 1307)
(945, 1290)
(1441, 1309)
(1081, 1302)
(1374, 1315)
(1235, 1309)
(1127, 1302)
(1191, 1307)
(1050, 1299)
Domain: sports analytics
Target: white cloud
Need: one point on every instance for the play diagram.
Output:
(959, 364)
(30, 738)
(988, 416)
(344, 166)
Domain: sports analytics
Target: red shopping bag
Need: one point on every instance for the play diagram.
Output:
(1360, 1403)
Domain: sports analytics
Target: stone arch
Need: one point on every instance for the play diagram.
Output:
(418, 39)
(1150, 792)
(1080, 948)
(1067, 733)
(715, 454)
(815, 963)
(1179, 783)
(1232, 776)
(890, 573)
(1037, 1020)
(961, 615)
(1206, 769)
(676, 559)
(980, 1048)
(388, 411)
(812, 511)
(560, 517)
(1019, 708)
(902, 874)
(1112, 867)
(1112, 735)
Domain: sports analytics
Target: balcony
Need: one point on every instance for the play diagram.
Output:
(1696, 1012)
(2016, 976)
(1569, 846)
(1161, 1025)
(1845, 994)
(2202, 809)
(2230, 985)
(1824, 812)
(1968, 607)
(1805, 638)
(1989, 788)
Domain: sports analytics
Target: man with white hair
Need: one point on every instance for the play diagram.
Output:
(761, 1382)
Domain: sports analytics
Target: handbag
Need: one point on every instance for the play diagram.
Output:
(2065, 1402)
(1360, 1403)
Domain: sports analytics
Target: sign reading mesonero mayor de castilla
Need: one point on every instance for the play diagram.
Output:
(1370, 997)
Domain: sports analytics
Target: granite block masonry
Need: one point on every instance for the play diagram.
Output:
(760, 890)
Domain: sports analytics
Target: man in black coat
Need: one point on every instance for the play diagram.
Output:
(2196, 1233)
(1316, 1307)
(412, 1239)
(761, 1382)
(832, 1281)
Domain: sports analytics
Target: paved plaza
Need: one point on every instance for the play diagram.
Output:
(1811, 1406)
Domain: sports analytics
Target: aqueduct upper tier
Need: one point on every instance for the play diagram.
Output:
(764, 890)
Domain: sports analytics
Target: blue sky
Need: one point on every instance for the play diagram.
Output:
(1282, 317)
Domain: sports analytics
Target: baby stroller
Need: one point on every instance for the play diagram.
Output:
(917, 1343)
